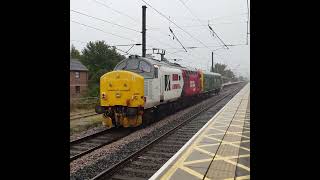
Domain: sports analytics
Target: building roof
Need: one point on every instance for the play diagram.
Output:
(75, 65)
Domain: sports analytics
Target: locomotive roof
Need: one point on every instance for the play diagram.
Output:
(167, 63)
(161, 63)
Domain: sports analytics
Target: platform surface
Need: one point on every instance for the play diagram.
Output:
(220, 150)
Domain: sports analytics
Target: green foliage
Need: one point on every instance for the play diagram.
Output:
(74, 53)
(220, 68)
(93, 90)
(241, 78)
(229, 74)
(99, 58)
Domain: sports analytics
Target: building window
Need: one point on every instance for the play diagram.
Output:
(77, 89)
(77, 74)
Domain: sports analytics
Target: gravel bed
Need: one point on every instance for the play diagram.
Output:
(91, 164)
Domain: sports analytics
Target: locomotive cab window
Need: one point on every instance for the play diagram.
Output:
(121, 66)
(132, 64)
(137, 66)
(145, 67)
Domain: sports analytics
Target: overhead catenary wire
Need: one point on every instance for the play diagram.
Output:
(192, 26)
(103, 31)
(104, 20)
(174, 23)
(212, 19)
(119, 12)
(109, 45)
(217, 36)
(200, 21)
(174, 36)
(132, 19)
(176, 26)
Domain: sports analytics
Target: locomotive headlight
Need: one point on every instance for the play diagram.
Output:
(134, 97)
(103, 95)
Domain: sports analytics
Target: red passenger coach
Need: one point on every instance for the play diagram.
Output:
(192, 82)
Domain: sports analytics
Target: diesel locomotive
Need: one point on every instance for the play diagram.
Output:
(139, 86)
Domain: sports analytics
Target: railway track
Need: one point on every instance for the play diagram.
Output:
(87, 144)
(82, 115)
(143, 163)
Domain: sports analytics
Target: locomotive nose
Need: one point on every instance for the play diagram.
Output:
(120, 88)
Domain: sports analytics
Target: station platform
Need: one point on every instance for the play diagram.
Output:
(220, 150)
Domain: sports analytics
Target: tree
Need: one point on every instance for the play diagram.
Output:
(227, 73)
(241, 78)
(220, 68)
(230, 74)
(74, 53)
(99, 58)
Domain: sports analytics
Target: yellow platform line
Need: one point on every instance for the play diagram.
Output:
(179, 164)
(193, 172)
(239, 178)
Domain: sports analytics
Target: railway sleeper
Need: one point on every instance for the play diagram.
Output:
(152, 159)
(140, 162)
(170, 143)
(159, 153)
(167, 149)
(78, 148)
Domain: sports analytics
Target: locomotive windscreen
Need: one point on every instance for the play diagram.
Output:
(137, 66)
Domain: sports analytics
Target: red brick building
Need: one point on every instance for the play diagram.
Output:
(78, 78)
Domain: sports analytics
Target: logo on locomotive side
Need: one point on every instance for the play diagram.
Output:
(176, 86)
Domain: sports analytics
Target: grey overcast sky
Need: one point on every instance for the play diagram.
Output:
(226, 17)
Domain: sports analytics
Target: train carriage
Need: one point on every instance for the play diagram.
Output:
(212, 82)
(192, 82)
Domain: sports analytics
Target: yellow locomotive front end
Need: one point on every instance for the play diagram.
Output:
(121, 98)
